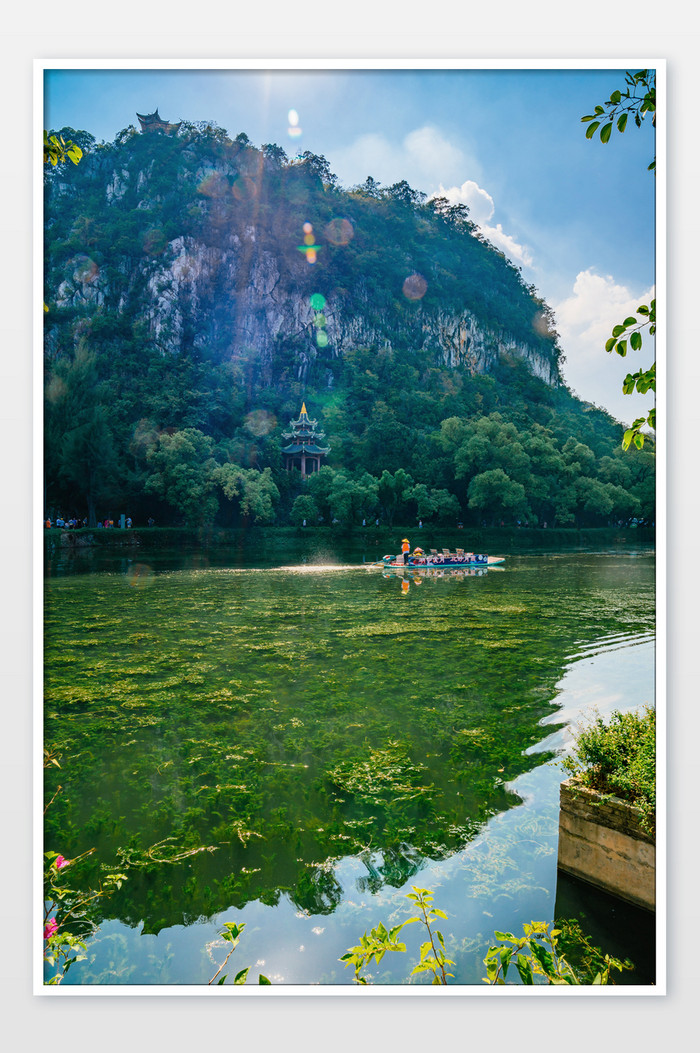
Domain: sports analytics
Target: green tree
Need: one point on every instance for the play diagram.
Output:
(256, 491)
(436, 504)
(182, 472)
(494, 494)
(320, 485)
(394, 494)
(304, 509)
(78, 435)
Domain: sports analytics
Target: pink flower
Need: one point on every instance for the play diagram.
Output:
(50, 929)
(60, 862)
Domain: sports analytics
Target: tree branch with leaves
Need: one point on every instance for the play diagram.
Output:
(637, 100)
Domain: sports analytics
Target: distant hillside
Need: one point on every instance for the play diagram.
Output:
(197, 284)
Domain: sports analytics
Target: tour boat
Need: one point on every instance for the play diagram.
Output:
(434, 560)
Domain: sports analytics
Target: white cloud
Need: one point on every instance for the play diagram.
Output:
(478, 200)
(481, 209)
(584, 322)
(422, 158)
(513, 250)
(426, 160)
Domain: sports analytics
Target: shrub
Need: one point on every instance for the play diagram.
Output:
(619, 759)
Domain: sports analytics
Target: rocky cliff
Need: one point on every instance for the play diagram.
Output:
(196, 243)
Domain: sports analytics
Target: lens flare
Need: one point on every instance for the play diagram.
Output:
(143, 438)
(243, 188)
(309, 248)
(317, 301)
(213, 185)
(259, 422)
(339, 231)
(139, 575)
(293, 131)
(154, 241)
(414, 287)
(321, 339)
(541, 325)
(86, 270)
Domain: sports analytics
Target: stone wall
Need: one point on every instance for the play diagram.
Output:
(601, 841)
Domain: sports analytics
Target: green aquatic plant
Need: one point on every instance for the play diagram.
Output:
(314, 749)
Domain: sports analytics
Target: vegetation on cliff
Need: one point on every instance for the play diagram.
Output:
(164, 399)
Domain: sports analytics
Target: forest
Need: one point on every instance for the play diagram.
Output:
(168, 388)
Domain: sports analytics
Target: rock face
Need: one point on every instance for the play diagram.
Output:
(225, 286)
(234, 299)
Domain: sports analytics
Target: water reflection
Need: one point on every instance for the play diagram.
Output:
(306, 726)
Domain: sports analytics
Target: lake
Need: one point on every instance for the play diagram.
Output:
(296, 747)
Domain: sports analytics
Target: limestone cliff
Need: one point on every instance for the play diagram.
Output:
(206, 258)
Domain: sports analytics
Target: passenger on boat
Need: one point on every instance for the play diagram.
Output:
(406, 549)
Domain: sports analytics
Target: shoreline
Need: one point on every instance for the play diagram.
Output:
(529, 539)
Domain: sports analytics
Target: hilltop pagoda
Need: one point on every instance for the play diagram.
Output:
(153, 122)
(304, 451)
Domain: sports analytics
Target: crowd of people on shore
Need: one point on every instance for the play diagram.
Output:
(76, 524)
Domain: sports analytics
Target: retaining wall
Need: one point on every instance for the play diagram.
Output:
(601, 841)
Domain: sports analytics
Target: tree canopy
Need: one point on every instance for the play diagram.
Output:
(183, 420)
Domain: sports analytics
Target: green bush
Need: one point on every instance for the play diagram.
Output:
(619, 759)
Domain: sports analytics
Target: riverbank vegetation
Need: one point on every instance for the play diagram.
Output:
(618, 758)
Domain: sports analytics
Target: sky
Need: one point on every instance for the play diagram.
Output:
(577, 216)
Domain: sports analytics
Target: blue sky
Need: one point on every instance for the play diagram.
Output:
(576, 215)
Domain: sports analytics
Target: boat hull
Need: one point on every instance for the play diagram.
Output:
(441, 562)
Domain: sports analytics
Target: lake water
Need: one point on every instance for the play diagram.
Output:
(294, 748)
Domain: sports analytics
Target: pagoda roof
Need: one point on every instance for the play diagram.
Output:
(151, 118)
(304, 417)
(299, 432)
(155, 119)
(305, 447)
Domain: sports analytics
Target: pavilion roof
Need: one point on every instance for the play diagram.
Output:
(155, 118)
(305, 447)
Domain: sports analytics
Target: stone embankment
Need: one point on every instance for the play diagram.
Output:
(602, 842)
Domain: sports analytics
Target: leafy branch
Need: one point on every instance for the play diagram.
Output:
(637, 100)
(629, 333)
(380, 940)
(432, 959)
(69, 913)
(542, 958)
(538, 952)
(231, 933)
(375, 945)
(57, 150)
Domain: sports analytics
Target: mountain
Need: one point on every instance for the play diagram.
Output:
(196, 283)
